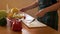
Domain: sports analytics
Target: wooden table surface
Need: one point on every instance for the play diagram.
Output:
(26, 30)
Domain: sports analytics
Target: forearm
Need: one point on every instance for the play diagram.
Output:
(53, 7)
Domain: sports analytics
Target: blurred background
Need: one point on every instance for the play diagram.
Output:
(18, 4)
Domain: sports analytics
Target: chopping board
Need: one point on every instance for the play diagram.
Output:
(28, 22)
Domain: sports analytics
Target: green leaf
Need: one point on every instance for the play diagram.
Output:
(2, 14)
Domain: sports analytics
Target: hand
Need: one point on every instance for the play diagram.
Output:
(23, 9)
(41, 13)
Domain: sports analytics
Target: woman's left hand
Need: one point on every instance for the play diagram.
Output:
(41, 13)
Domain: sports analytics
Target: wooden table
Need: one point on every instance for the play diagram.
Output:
(27, 30)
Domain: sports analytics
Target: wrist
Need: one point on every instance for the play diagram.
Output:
(25, 9)
(45, 10)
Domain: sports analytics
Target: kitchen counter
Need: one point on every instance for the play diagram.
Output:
(27, 30)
